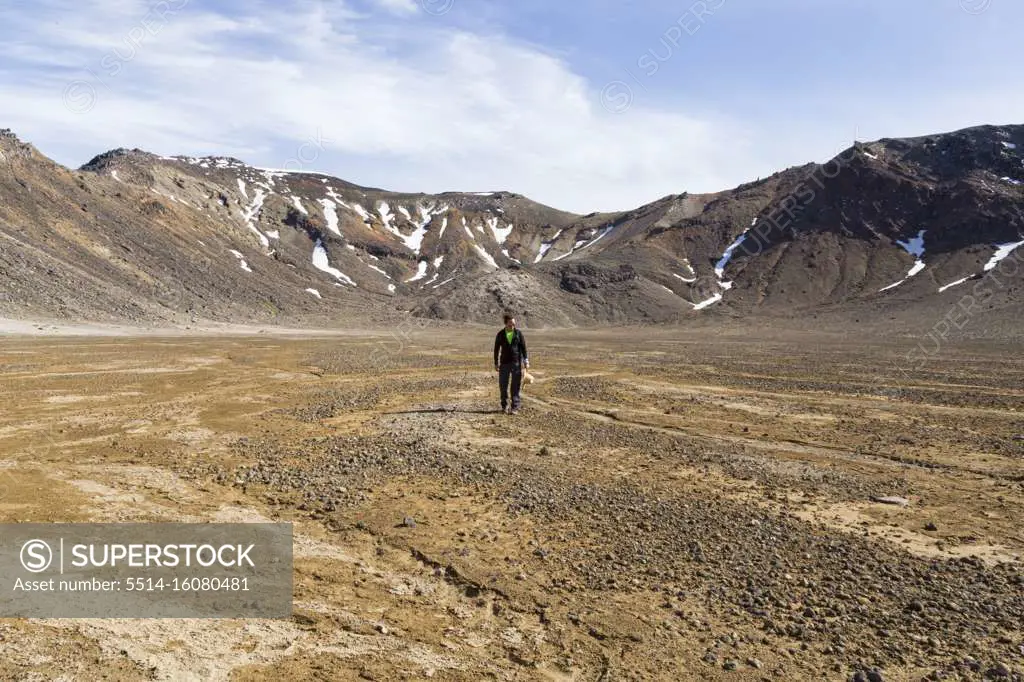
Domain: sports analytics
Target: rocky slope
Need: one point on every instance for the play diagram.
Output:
(900, 225)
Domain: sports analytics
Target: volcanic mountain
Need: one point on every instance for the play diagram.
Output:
(892, 225)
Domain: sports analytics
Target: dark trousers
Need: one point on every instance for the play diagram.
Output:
(515, 373)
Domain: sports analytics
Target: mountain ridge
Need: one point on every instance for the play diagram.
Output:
(133, 236)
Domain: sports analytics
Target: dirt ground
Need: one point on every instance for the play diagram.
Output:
(667, 505)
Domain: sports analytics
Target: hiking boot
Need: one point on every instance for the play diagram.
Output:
(514, 410)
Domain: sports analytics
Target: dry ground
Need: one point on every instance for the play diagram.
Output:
(671, 506)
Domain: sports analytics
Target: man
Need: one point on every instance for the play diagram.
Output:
(509, 359)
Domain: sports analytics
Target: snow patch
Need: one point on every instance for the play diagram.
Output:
(413, 241)
(331, 215)
(298, 205)
(405, 212)
(546, 246)
(386, 216)
(727, 256)
(918, 267)
(363, 213)
(692, 277)
(953, 284)
(320, 262)
(1002, 251)
(421, 272)
(444, 226)
(444, 282)
(485, 256)
(274, 234)
(252, 214)
(241, 261)
(581, 244)
(314, 292)
(915, 247)
(599, 237)
(1009, 145)
(704, 304)
(500, 235)
(241, 188)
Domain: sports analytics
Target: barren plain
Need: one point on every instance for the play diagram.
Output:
(669, 505)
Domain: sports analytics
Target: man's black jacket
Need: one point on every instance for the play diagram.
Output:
(506, 353)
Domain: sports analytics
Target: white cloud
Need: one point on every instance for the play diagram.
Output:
(399, 6)
(424, 108)
(412, 106)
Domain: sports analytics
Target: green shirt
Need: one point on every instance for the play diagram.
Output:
(510, 334)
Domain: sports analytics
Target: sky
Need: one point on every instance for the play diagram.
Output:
(585, 105)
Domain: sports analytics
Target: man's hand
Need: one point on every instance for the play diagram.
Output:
(526, 364)
(497, 369)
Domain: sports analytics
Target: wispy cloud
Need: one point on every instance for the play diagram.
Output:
(427, 108)
(399, 6)
(421, 101)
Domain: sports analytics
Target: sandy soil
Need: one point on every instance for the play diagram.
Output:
(671, 506)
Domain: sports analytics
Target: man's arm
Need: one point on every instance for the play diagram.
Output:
(497, 347)
(522, 347)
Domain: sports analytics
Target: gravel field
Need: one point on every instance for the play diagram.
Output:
(667, 506)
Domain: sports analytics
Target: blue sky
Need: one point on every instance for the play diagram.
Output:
(586, 106)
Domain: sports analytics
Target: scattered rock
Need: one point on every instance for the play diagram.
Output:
(892, 499)
(998, 671)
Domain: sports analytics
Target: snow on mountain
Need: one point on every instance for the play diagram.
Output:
(320, 262)
(915, 247)
(241, 260)
(331, 215)
(421, 272)
(1002, 251)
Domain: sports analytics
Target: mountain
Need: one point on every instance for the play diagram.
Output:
(884, 226)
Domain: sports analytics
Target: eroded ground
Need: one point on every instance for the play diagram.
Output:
(667, 506)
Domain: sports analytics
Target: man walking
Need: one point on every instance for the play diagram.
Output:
(509, 359)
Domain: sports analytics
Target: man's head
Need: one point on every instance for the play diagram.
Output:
(510, 322)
